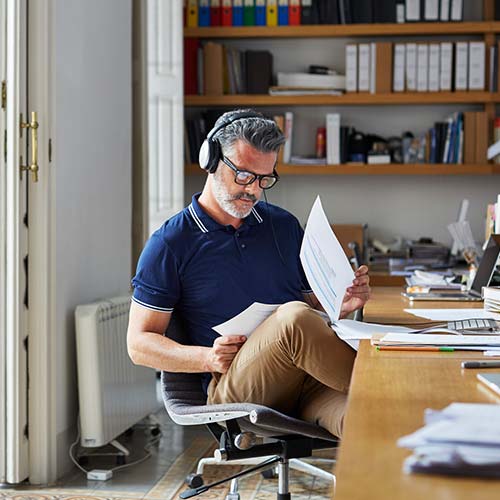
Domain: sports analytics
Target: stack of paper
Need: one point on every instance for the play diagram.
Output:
(474, 342)
(491, 296)
(463, 439)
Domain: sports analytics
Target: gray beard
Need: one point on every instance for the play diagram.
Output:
(226, 200)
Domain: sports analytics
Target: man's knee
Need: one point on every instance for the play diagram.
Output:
(297, 317)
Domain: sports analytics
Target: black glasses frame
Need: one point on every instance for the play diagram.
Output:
(253, 177)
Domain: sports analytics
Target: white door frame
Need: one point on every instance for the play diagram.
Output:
(3, 239)
(17, 445)
(42, 346)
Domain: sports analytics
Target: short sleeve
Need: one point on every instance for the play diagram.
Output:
(156, 283)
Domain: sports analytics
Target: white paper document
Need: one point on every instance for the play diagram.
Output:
(440, 340)
(247, 321)
(452, 314)
(348, 329)
(325, 264)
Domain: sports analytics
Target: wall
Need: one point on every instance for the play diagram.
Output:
(410, 206)
(92, 175)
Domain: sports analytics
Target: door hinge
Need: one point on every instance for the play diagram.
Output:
(4, 94)
(5, 146)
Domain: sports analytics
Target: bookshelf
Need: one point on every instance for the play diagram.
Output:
(349, 30)
(387, 169)
(487, 30)
(348, 99)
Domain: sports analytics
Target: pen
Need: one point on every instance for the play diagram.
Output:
(414, 348)
(480, 364)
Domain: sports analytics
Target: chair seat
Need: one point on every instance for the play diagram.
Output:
(185, 402)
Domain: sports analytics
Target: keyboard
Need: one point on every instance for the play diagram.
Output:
(474, 324)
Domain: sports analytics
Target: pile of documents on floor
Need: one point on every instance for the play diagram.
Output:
(491, 296)
(463, 440)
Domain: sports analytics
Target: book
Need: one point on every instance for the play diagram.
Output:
(445, 66)
(398, 84)
(237, 12)
(434, 73)
(422, 67)
(470, 137)
(411, 66)
(287, 148)
(333, 138)
(477, 65)
(461, 65)
(294, 13)
(190, 65)
(283, 12)
(364, 67)
(309, 80)
(383, 67)
(204, 13)
(280, 122)
(272, 13)
(259, 71)
(351, 57)
(213, 74)
(248, 12)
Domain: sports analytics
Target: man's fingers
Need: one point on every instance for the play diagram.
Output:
(231, 349)
(362, 270)
(230, 339)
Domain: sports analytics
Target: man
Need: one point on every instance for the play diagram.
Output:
(219, 255)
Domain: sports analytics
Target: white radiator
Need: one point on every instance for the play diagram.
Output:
(114, 393)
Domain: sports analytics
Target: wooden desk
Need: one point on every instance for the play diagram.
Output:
(387, 306)
(389, 393)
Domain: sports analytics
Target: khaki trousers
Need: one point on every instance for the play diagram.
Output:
(293, 362)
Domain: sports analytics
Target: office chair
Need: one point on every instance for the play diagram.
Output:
(236, 427)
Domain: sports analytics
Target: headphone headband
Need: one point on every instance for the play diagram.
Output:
(210, 151)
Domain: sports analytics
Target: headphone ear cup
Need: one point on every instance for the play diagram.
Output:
(215, 155)
(209, 155)
(204, 155)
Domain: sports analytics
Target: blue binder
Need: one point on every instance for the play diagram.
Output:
(260, 13)
(204, 13)
(283, 13)
(237, 12)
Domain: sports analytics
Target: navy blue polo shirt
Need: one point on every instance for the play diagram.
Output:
(209, 272)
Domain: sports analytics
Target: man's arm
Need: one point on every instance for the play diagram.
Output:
(148, 347)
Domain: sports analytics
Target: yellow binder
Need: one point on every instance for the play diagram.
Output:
(192, 13)
(272, 13)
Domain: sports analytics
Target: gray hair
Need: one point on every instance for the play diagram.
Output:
(260, 132)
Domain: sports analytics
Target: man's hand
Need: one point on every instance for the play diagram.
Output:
(357, 295)
(222, 353)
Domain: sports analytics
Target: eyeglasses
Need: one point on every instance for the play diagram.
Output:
(243, 177)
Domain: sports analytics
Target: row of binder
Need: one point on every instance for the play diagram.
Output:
(206, 13)
(383, 67)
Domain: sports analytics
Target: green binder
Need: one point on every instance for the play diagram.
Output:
(249, 13)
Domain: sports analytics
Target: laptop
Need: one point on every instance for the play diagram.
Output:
(483, 277)
(491, 380)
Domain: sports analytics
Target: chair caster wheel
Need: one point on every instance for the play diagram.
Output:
(233, 496)
(194, 480)
(269, 473)
(120, 460)
(155, 431)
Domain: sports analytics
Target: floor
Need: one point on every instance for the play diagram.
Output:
(173, 455)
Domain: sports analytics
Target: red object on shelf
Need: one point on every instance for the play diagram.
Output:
(321, 142)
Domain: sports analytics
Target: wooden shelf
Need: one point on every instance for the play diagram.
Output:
(388, 169)
(349, 99)
(346, 30)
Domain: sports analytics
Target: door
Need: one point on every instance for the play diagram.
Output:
(165, 110)
(15, 243)
(3, 395)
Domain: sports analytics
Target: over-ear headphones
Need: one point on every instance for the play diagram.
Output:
(210, 151)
